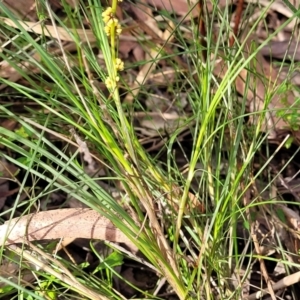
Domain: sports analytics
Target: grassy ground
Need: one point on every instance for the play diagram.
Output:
(177, 132)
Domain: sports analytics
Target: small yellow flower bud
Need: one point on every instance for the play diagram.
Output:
(107, 15)
(108, 83)
(119, 64)
(116, 21)
(110, 23)
(118, 29)
(106, 19)
(107, 12)
(107, 30)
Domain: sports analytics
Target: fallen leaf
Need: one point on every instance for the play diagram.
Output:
(27, 8)
(185, 7)
(282, 49)
(22, 8)
(181, 7)
(4, 189)
(7, 171)
(62, 223)
(259, 83)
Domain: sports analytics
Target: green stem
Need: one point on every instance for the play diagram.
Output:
(114, 6)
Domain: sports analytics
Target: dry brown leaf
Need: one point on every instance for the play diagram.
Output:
(27, 8)
(181, 7)
(13, 75)
(64, 34)
(52, 31)
(22, 8)
(293, 218)
(9, 124)
(62, 223)
(279, 102)
(125, 47)
(280, 7)
(281, 49)
(150, 26)
(263, 81)
(4, 190)
(7, 171)
(146, 14)
(127, 43)
(161, 116)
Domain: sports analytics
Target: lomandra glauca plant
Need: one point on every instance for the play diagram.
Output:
(138, 169)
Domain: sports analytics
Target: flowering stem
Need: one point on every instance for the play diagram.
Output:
(113, 29)
(113, 36)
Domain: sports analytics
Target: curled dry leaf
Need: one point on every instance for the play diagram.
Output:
(62, 223)
(292, 217)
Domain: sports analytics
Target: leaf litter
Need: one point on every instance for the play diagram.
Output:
(272, 227)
